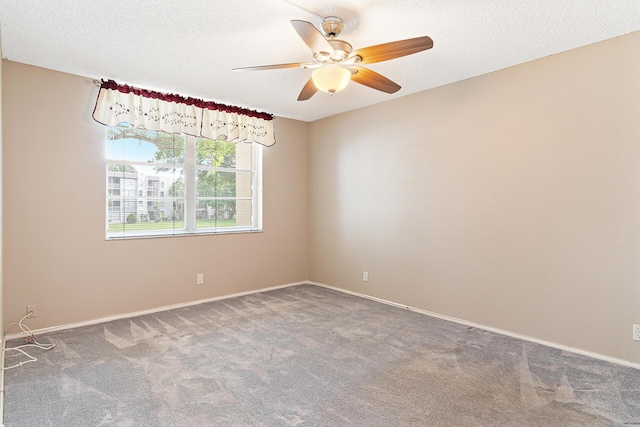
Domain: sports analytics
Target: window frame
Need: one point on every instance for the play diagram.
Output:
(190, 197)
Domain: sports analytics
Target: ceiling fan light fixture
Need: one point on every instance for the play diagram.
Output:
(331, 78)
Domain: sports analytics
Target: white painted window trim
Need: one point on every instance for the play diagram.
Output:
(190, 198)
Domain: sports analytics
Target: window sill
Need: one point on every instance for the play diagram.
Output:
(178, 233)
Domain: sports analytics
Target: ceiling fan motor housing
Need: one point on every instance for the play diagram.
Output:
(342, 49)
(332, 26)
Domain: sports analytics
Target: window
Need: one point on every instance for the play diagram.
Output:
(208, 186)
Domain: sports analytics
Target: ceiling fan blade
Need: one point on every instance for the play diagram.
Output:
(268, 67)
(386, 51)
(366, 77)
(308, 91)
(312, 37)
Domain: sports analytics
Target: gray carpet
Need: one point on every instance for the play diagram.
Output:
(309, 356)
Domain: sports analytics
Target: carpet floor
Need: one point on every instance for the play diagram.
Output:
(309, 356)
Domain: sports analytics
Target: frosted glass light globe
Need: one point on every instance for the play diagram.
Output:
(331, 78)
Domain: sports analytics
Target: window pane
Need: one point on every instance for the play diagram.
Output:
(215, 213)
(244, 213)
(135, 203)
(119, 183)
(244, 184)
(216, 153)
(148, 193)
(169, 149)
(224, 213)
(138, 145)
(244, 156)
(221, 184)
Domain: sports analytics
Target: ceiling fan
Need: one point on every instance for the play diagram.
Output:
(335, 62)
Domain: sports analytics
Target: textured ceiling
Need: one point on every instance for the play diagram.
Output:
(190, 46)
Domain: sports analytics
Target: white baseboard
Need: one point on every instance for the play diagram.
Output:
(490, 328)
(148, 311)
(406, 307)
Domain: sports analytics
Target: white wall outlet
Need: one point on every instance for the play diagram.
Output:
(365, 276)
(636, 332)
(200, 279)
(33, 309)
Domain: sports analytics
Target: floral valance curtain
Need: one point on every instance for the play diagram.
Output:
(174, 114)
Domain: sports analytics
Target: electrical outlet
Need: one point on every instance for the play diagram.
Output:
(33, 309)
(200, 279)
(365, 276)
(636, 332)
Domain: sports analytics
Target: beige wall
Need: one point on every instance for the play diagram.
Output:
(54, 209)
(1, 235)
(510, 199)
